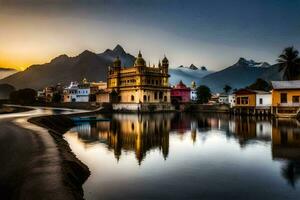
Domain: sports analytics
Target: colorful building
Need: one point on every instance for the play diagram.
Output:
(140, 84)
(286, 98)
(180, 93)
(252, 101)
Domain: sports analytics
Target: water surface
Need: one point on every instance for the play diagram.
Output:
(181, 156)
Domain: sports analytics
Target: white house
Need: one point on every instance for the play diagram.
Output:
(77, 92)
(223, 99)
(231, 100)
(263, 99)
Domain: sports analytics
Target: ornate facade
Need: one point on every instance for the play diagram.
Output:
(140, 84)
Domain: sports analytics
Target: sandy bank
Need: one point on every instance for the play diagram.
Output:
(74, 171)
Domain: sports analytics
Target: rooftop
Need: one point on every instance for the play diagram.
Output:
(286, 84)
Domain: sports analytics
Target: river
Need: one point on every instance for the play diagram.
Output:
(185, 156)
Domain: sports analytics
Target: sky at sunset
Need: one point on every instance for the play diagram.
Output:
(211, 33)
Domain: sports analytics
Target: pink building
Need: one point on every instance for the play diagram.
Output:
(180, 93)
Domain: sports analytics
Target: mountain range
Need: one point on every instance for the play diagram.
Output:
(64, 69)
(242, 73)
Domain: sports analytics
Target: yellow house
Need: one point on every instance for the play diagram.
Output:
(245, 98)
(252, 101)
(286, 98)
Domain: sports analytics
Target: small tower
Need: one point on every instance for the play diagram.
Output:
(193, 85)
(139, 62)
(165, 65)
(117, 63)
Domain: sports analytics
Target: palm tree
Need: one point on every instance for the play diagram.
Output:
(289, 63)
(227, 89)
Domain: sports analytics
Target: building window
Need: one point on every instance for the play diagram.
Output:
(165, 98)
(244, 100)
(238, 100)
(155, 95)
(160, 95)
(260, 101)
(145, 98)
(132, 98)
(152, 82)
(295, 99)
(149, 98)
(156, 82)
(283, 97)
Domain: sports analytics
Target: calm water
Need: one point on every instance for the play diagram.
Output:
(173, 156)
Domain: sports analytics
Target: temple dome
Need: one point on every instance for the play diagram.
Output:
(140, 60)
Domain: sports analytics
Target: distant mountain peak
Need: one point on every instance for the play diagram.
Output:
(119, 49)
(251, 63)
(203, 68)
(86, 52)
(193, 67)
(60, 59)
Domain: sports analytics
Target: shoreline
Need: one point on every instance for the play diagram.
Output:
(75, 172)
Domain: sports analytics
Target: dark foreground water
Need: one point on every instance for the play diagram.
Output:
(170, 156)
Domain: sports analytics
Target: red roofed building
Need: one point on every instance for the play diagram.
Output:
(180, 93)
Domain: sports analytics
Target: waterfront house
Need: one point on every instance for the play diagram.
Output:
(223, 98)
(49, 91)
(286, 98)
(263, 101)
(252, 101)
(180, 93)
(76, 92)
(231, 100)
(140, 86)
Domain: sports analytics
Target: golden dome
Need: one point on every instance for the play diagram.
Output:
(140, 60)
(117, 62)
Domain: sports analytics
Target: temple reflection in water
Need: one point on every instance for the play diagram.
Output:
(142, 133)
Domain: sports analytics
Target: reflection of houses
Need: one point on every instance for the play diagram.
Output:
(247, 129)
(286, 98)
(286, 146)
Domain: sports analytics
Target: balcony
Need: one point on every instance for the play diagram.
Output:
(289, 104)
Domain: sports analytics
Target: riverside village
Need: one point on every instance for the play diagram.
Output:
(149, 100)
(144, 88)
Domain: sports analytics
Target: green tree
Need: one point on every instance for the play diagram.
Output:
(203, 94)
(260, 84)
(56, 98)
(227, 88)
(289, 63)
(23, 96)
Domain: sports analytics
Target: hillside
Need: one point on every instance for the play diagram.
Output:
(64, 69)
(241, 74)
